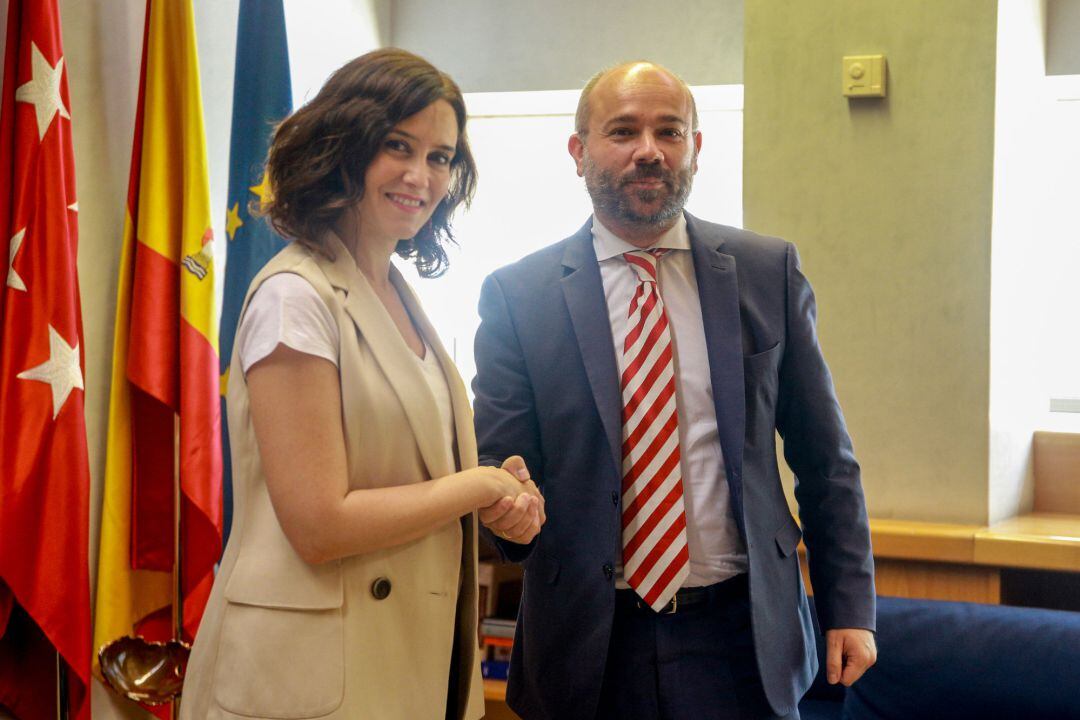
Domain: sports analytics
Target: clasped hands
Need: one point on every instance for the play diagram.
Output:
(516, 518)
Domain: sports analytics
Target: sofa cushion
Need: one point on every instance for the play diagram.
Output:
(955, 660)
(810, 709)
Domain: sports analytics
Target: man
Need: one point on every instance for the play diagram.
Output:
(641, 368)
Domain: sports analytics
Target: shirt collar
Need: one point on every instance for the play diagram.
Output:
(608, 245)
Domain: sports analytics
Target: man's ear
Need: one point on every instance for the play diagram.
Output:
(577, 151)
(697, 148)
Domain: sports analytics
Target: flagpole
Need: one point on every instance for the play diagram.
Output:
(178, 593)
(61, 689)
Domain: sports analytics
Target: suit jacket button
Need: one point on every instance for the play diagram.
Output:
(609, 571)
(615, 498)
(380, 589)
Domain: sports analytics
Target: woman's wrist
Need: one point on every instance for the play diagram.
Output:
(484, 486)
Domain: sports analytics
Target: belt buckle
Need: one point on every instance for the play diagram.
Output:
(670, 608)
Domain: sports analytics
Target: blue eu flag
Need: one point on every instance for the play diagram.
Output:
(262, 97)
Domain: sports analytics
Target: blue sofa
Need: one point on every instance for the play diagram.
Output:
(960, 661)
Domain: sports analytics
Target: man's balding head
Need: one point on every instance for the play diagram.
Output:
(620, 73)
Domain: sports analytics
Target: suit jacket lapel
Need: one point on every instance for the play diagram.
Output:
(396, 360)
(584, 293)
(718, 289)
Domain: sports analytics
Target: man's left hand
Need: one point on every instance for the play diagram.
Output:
(849, 653)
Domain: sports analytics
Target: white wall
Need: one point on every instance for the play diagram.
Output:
(1014, 393)
(1034, 351)
(1060, 175)
(324, 35)
(513, 45)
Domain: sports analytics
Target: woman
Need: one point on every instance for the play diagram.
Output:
(348, 588)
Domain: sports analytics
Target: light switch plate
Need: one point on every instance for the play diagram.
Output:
(863, 76)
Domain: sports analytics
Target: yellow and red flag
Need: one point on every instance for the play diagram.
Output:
(164, 414)
(44, 471)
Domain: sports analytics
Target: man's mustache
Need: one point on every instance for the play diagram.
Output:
(647, 172)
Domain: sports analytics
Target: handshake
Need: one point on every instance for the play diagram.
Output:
(517, 513)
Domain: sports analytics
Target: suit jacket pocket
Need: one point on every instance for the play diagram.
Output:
(788, 536)
(760, 376)
(269, 573)
(280, 663)
(756, 363)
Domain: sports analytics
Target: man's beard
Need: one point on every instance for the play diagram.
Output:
(614, 197)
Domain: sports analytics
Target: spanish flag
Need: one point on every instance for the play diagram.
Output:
(164, 416)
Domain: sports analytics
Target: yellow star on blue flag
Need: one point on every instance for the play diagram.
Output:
(262, 97)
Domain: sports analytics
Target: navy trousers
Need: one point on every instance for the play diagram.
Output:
(695, 664)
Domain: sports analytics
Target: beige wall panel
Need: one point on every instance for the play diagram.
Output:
(102, 45)
(889, 201)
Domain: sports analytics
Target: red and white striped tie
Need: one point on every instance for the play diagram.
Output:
(655, 556)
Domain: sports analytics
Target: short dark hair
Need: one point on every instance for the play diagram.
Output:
(320, 153)
(581, 117)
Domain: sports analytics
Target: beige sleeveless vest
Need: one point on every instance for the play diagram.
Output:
(285, 639)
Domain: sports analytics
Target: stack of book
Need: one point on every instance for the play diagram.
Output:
(496, 642)
(500, 592)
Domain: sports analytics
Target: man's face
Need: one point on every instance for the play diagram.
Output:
(639, 155)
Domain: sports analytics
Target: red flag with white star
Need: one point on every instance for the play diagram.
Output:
(44, 471)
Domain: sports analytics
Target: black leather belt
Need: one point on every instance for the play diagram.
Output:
(688, 597)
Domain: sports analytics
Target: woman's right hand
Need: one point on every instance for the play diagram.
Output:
(518, 516)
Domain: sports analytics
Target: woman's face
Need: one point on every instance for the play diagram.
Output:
(409, 175)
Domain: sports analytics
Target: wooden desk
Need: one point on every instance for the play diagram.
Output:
(927, 560)
(910, 540)
(1043, 541)
(943, 561)
(495, 690)
(931, 560)
(495, 701)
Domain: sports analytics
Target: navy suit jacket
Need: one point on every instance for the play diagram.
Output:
(547, 389)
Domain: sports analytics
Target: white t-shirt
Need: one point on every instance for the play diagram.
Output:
(287, 310)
